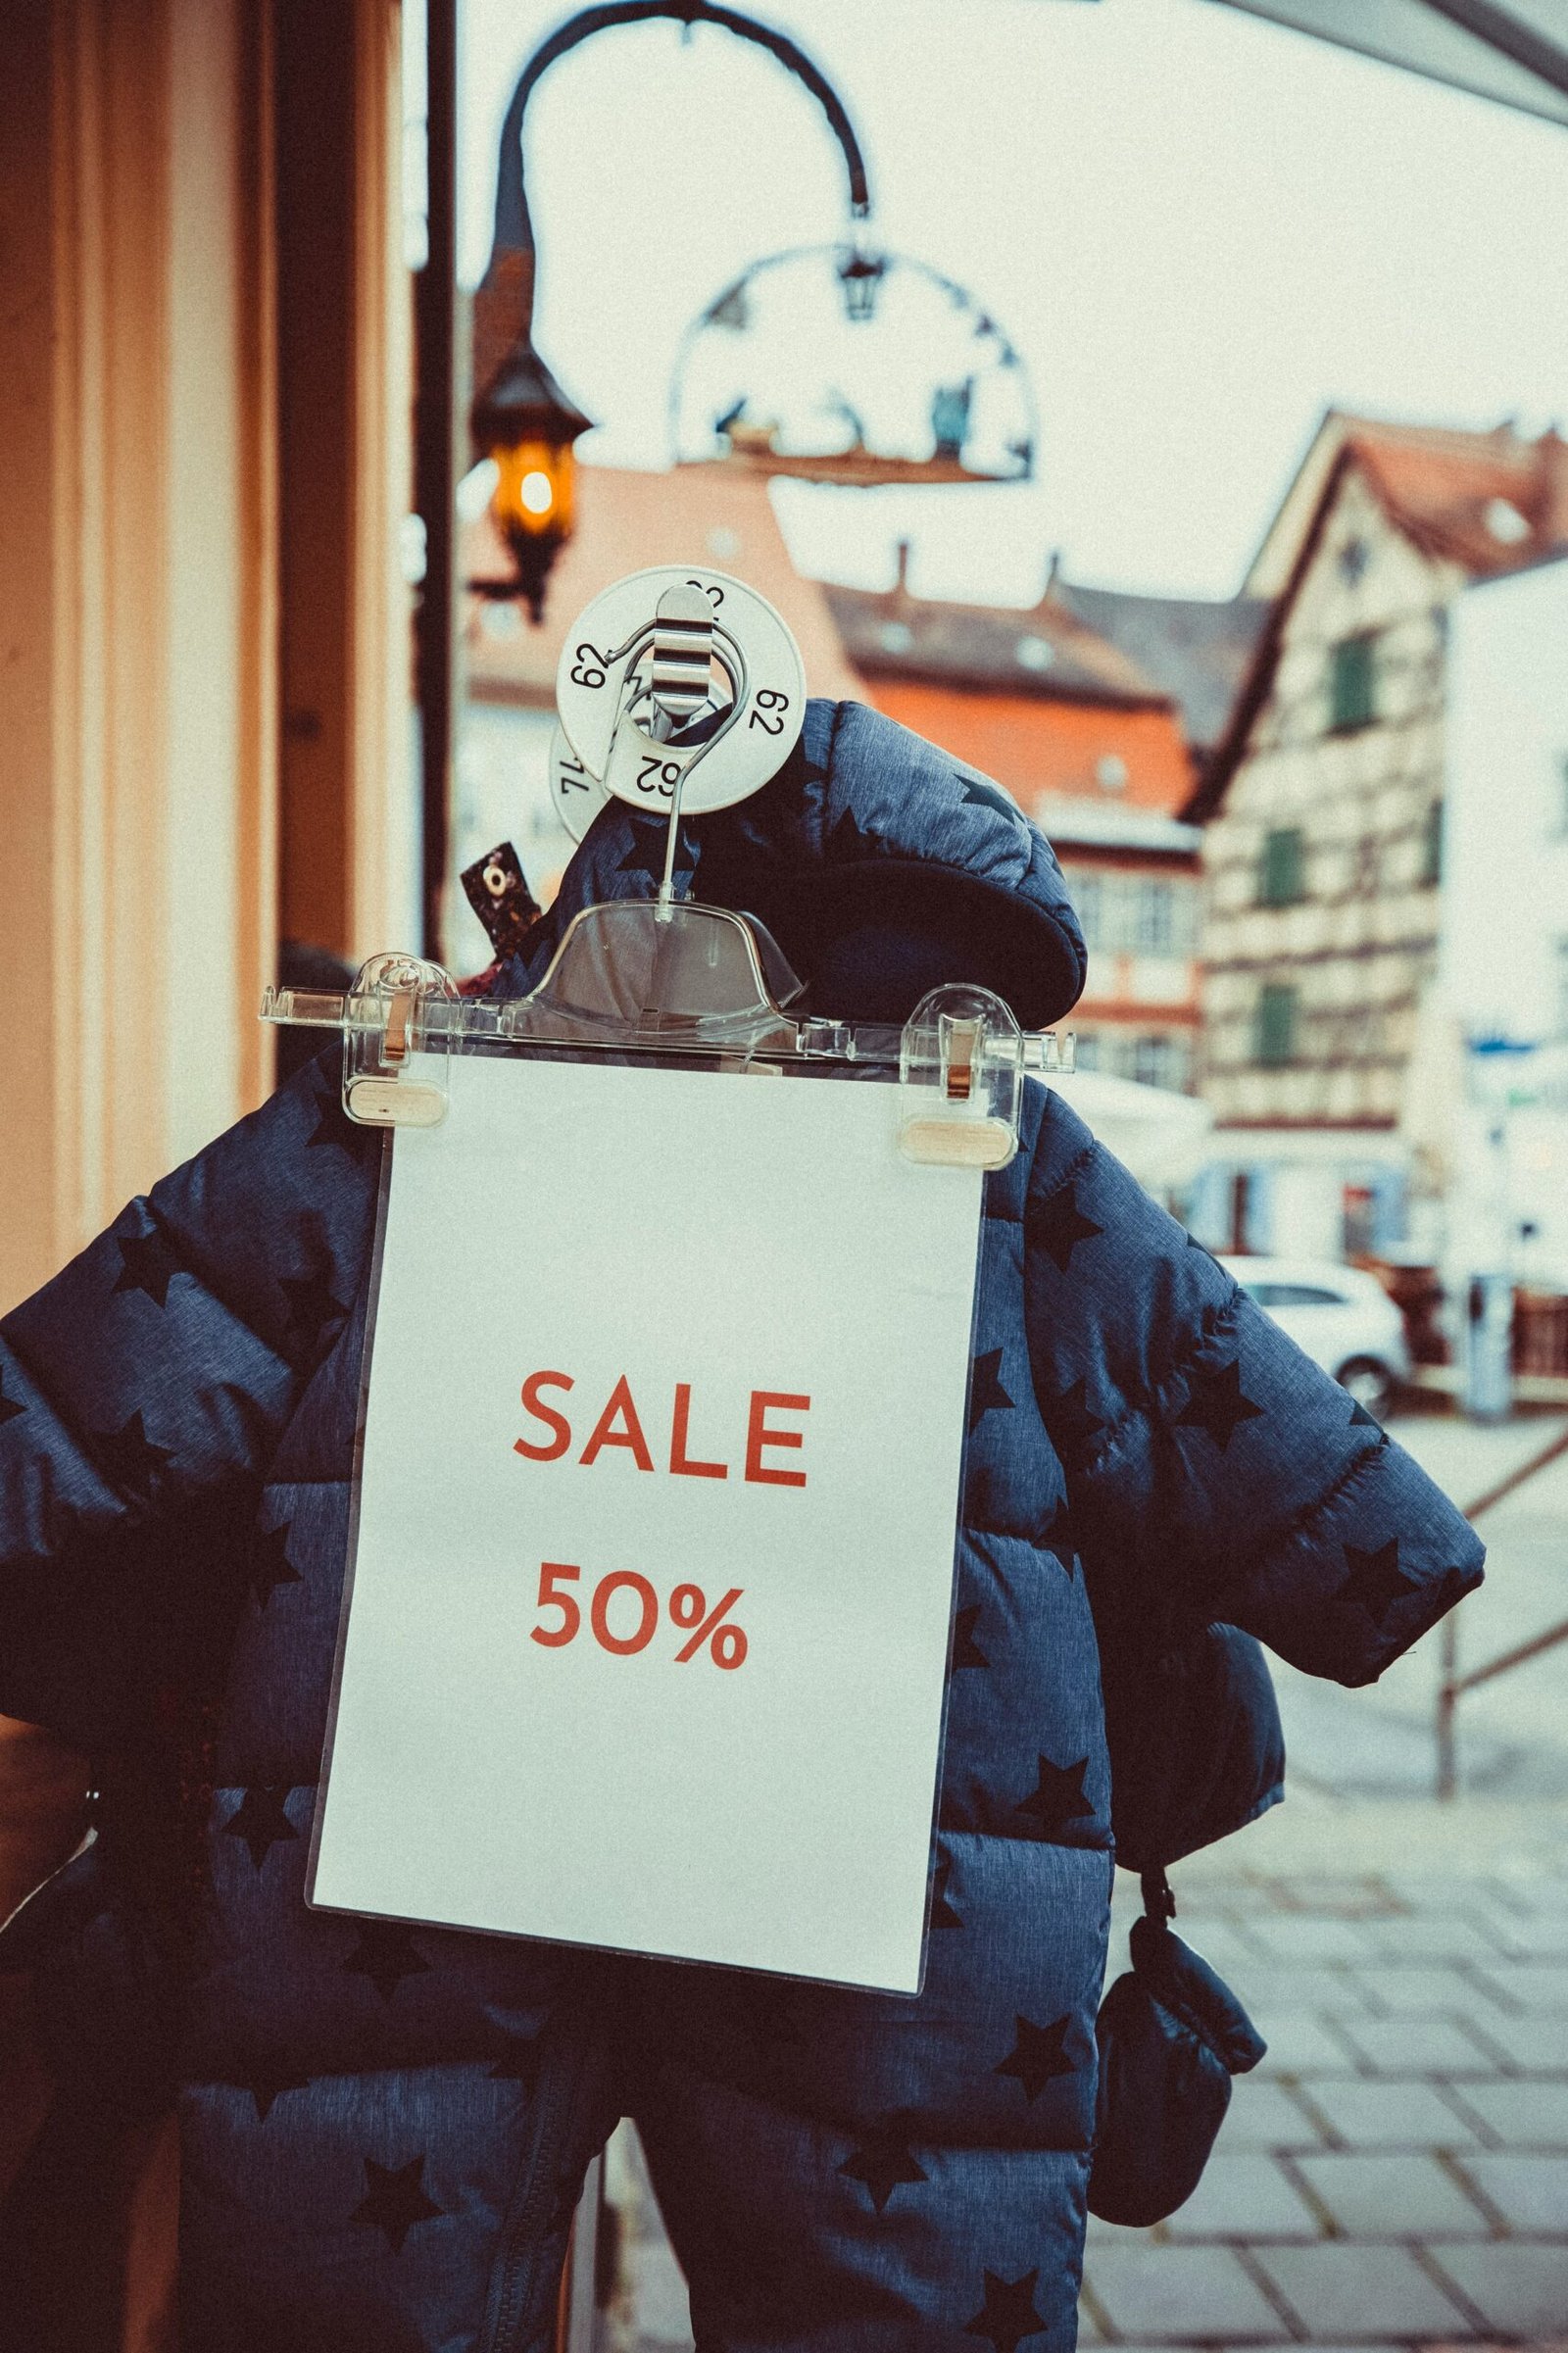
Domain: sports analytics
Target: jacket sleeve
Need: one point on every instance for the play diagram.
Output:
(1213, 1471)
(154, 1376)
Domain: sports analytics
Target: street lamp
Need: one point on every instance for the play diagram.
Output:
(521, 420)
(526, 426)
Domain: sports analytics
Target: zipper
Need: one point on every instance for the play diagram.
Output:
(513, 2272)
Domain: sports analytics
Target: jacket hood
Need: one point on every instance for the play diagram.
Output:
(866, 833)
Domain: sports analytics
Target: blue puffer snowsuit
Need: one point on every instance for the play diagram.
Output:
(385, 2127)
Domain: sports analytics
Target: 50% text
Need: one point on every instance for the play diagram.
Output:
(636, 1616)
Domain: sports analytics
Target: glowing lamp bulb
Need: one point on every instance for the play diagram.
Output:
(536, 493)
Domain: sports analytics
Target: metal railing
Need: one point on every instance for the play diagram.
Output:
(1451, 1684)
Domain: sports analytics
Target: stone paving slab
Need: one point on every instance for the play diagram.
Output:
(1245, 2197)
(1528, 1985)
(1300, 2045)
(1350, 2293)
(1267, 2115)
(1425, 1991)
(1408, 2046)
(1529, 2194)
(1153, 2295)
(1517, 2288)
(1388, 2115)
(1405, 2194)
(1536, 2045)
(1520, 2114)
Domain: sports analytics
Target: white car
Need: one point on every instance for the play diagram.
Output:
(1339, 1316)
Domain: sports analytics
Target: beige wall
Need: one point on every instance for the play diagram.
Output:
(142, 596)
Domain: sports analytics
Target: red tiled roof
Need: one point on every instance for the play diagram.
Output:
(1465, 496)
(1046, 751)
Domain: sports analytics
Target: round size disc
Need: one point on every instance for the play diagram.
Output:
(727, 750)
(577, 795)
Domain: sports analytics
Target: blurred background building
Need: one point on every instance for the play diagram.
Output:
(1323, 813)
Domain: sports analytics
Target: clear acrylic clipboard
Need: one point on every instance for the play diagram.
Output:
(615, 1640)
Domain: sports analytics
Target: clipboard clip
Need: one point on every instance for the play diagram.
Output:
(385, 1023)
(961, 1064)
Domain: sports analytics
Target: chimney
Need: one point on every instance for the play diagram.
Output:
(900, 582)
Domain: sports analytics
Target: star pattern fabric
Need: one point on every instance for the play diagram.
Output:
(261, 1821)
(266, 2078)
(333, 1127)
(1060, 1797)
(848, 840)
(129, 1455)
(147, 1263)
(1376, 1580)
(1010, 2312)
(966, 1650)
(1216, 1406)
(944, 1912)
(520, 2060)
(1060, 1227)
(1075, 1418)
(883, 2163)
(395, 2200)
(270, 1565)
(986, 1391)
(1061, 1538)
(978, 794)
(649, 848)
(386, 1954)
(1038, 2055)
(312, 1307)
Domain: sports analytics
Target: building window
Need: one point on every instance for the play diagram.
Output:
(1154, 920)
(1160, 1060)
(1088, 897)
(1280, 880)
(1431, 870)
(1350, 684)
(1276, 1023)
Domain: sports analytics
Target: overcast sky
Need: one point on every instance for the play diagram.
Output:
(1197, 229)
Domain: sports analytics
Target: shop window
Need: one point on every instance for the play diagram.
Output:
(1432, 845)
(1351, 701)
(1280, 870)
(1276, 1023)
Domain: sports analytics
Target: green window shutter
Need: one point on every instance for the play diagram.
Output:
(1280, 880)
(1432, 845)
(1276, 1023)
(1351, 683)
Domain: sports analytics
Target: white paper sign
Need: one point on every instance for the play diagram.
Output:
(650, 1601)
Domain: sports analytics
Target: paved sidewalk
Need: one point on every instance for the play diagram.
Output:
(1395, 2173)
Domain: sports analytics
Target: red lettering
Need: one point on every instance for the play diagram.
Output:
(758, 1435)
(680, 1462)
(629, 1435)
(556, 1423)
